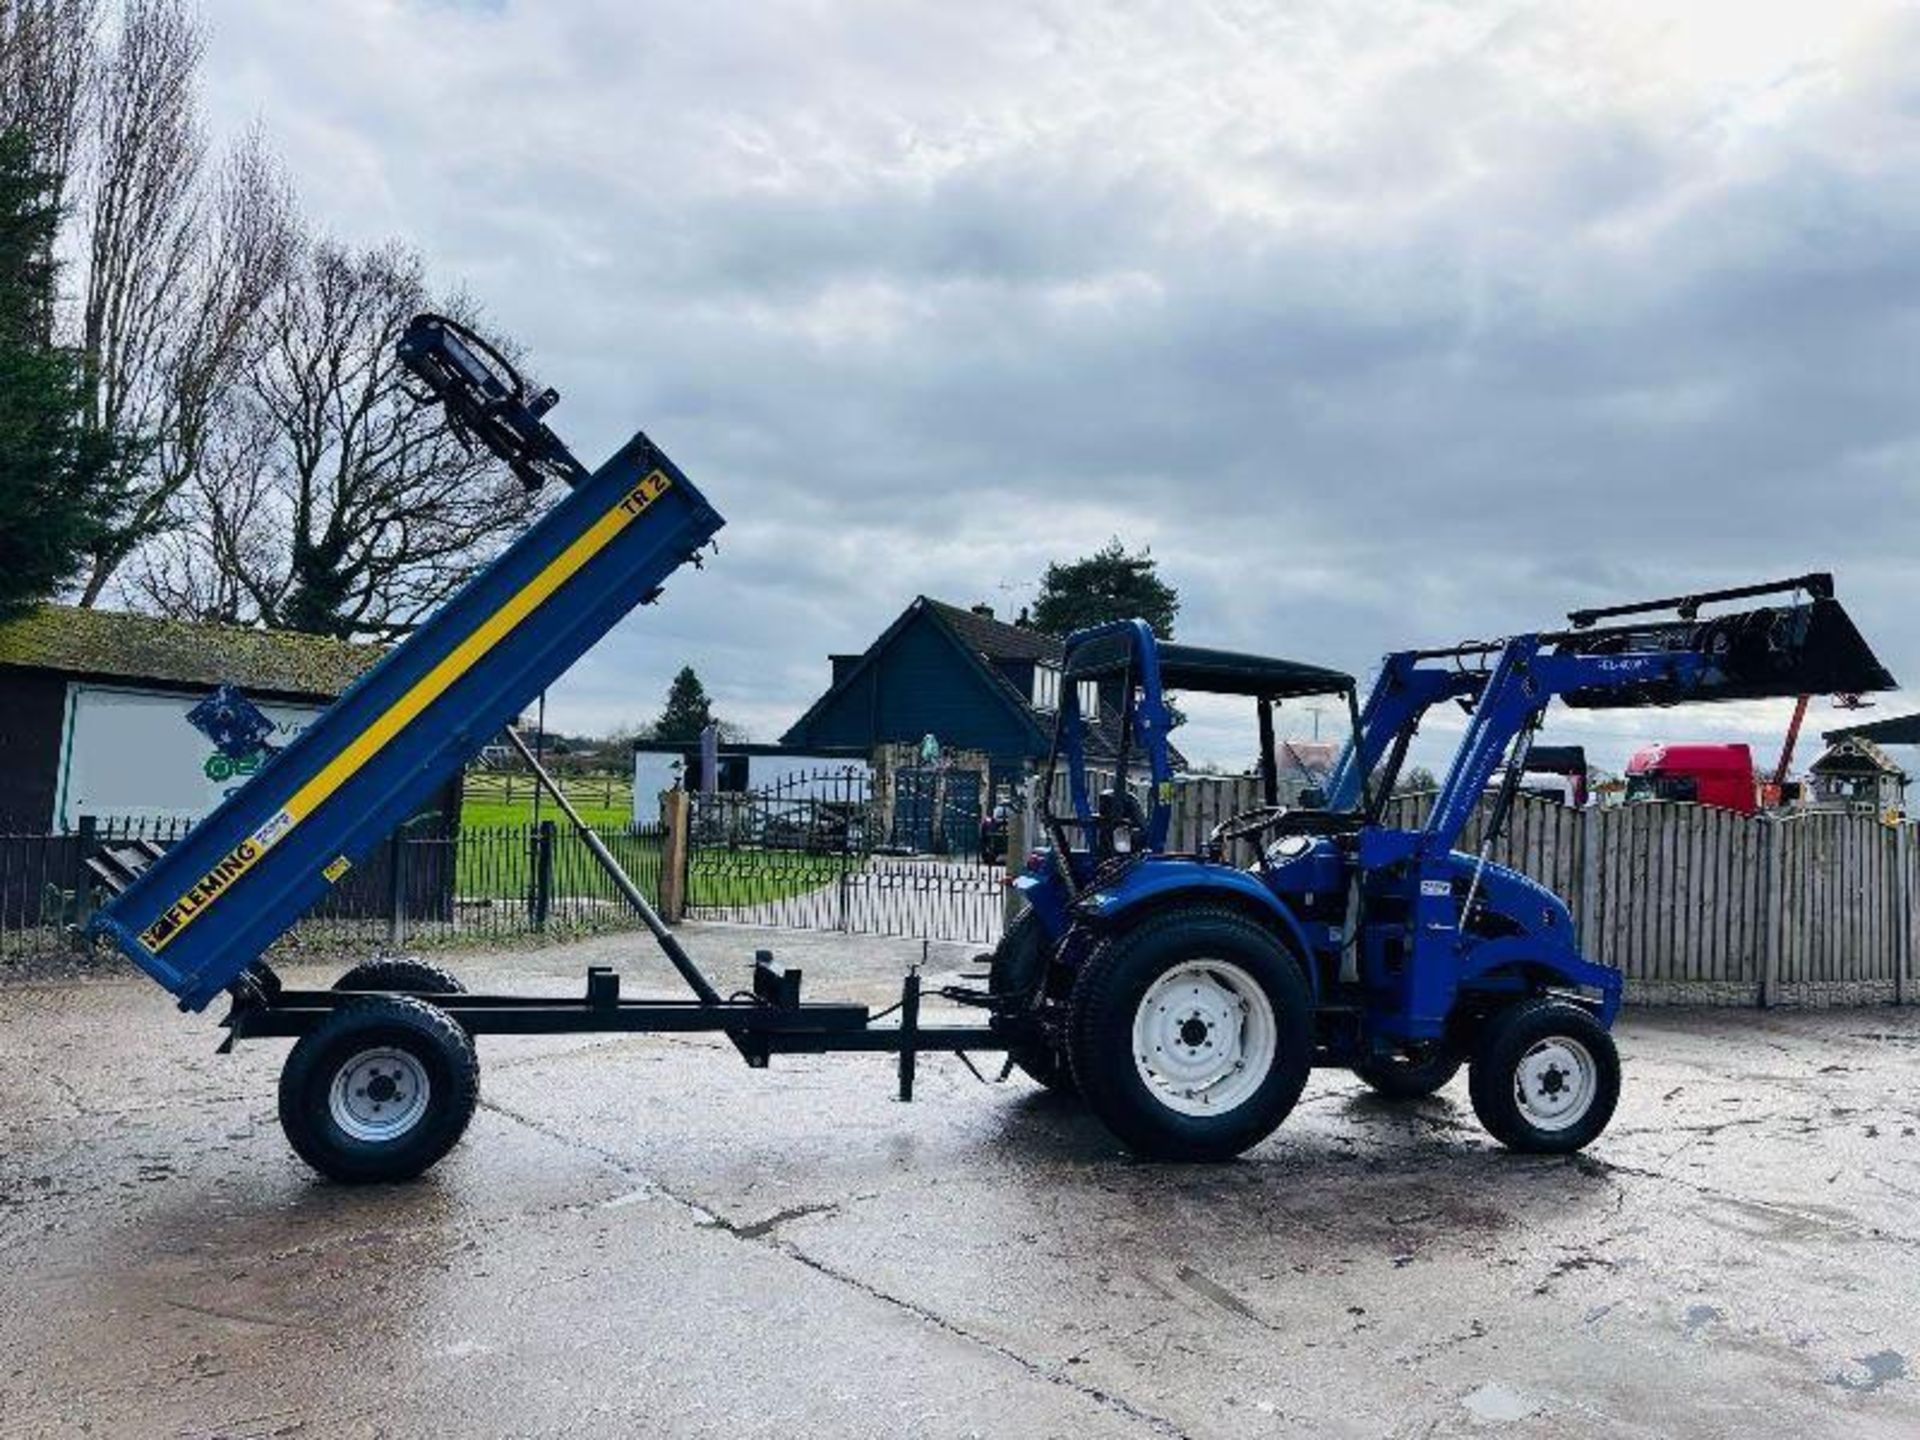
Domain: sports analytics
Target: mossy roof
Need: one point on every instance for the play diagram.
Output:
(115, 645)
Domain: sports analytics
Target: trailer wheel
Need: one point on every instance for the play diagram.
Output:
(379, 1090)
(401, 974)
(1019, 967)
(1191, 1034)
(1410, 1076)
(1545, 1077)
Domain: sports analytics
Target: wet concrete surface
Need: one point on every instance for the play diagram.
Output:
(641, 1236)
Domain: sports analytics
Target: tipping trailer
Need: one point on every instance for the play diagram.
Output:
(384, 1077)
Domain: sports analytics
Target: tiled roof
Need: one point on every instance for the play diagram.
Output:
(116, 645)
(996, 639)
(993, 640)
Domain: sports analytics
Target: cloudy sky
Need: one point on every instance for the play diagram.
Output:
(1381, 323)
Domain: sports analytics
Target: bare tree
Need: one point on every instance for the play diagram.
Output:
(203, 567)
(47, 65)
(237, 261)
(143, 218)
(179, 265)
(332, 502)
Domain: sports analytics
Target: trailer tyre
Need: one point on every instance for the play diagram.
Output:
(1191, 1034)
(403, 975)
(379, 1090)
(1410, 1077)
(1545, 1077)
(1019, 967)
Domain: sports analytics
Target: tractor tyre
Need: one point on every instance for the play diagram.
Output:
(1545, 1077)
(1410, 1077)
(379, 1090)
(1191, 1034)
(1019, 967)
(401, 975)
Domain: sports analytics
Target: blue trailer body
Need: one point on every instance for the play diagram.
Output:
(316, 808)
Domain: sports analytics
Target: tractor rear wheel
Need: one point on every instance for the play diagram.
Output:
(1410, 1076)
(379, 1090)
(1545, 1077)
(1191, 1034)
(1019, 967)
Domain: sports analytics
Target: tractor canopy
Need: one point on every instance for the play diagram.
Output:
(1196, 667)
(1127, 671)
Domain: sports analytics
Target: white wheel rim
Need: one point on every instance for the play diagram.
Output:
(1555, 1083)
(379, 1095)
(1204, 1037)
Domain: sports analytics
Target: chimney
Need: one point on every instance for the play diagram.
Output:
(843, 666)
(983, 610)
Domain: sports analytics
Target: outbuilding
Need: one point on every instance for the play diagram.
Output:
(93, 712)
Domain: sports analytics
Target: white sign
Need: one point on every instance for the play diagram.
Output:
(131, 754)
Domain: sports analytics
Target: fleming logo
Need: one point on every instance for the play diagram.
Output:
(231, 867)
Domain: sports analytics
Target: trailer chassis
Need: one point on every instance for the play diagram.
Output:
(770, 1020)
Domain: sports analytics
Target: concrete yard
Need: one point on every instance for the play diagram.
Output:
(640, 1236)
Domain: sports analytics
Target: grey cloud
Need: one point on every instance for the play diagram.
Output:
(1380, 323)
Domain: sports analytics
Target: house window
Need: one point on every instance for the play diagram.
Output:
(1046, 687)
(1046, 692)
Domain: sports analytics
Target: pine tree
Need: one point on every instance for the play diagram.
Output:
(55, 484)
(1109, 584)
(688, 711)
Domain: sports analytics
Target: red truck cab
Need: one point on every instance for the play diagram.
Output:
(1719, 775)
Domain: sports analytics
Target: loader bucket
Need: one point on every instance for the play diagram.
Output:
(1812, 648)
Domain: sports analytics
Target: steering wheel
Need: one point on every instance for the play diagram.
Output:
(1248, 824)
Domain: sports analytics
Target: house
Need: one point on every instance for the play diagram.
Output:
(1856, 774)
(93, 707)
(961, 675)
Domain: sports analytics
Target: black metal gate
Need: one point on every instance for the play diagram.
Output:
(936, 811)
(817, 852)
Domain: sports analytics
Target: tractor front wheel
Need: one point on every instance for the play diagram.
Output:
(1545, 1077)
(1191, 1034)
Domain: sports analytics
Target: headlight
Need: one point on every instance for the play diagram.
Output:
(1290, 847)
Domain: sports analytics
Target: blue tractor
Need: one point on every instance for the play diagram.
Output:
(1186, 996)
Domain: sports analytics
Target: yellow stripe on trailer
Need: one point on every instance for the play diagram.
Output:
(430, 687)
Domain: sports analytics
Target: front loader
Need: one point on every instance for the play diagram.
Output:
(1186, 996)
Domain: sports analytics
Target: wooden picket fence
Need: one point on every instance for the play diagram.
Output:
(1694, 904)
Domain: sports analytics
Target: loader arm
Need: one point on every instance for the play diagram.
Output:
(1401, 696)
(1765, 652)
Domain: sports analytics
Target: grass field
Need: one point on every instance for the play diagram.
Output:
(495, 857)
(492, 797)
